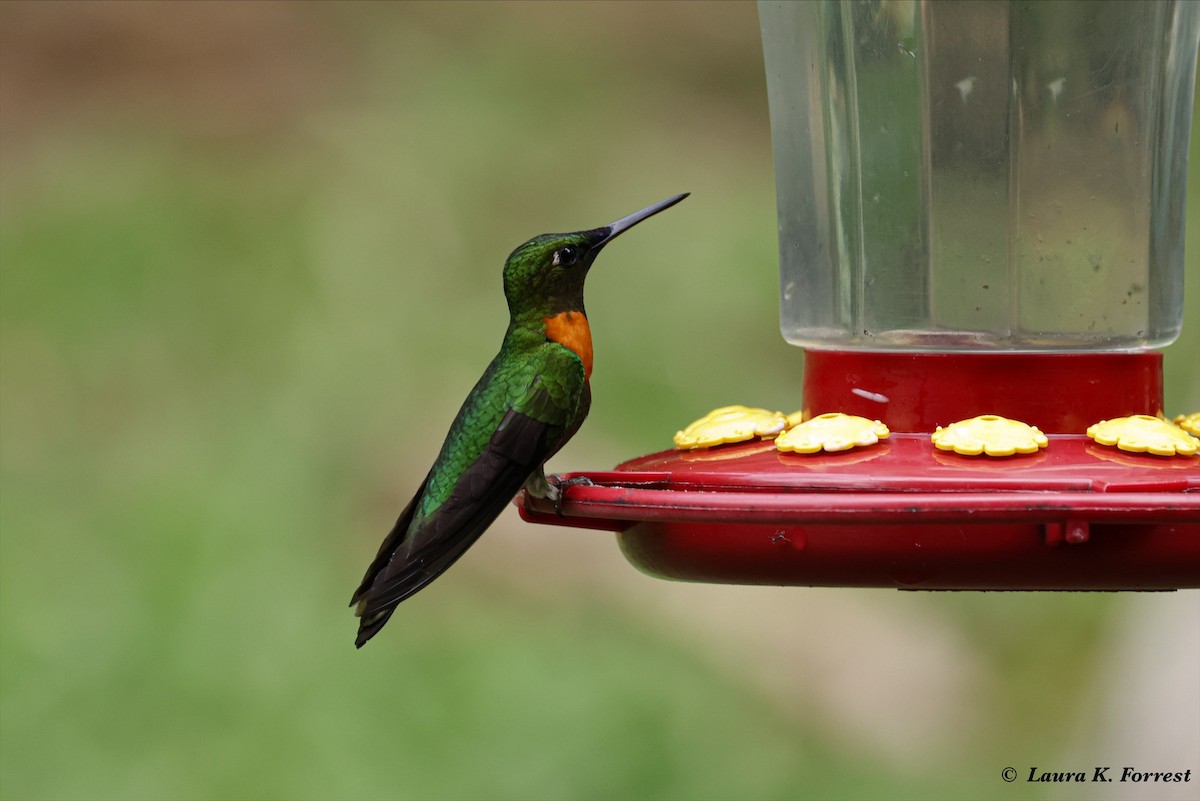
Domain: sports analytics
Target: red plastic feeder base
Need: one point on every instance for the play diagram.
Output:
(1073, 516)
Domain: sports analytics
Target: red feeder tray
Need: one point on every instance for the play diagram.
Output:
(1073, 516)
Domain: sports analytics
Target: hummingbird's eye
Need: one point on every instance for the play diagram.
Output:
(566, 256)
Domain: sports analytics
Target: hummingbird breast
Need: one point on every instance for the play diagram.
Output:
(570, 329)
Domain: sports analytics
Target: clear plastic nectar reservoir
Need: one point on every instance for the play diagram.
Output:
(969, 175)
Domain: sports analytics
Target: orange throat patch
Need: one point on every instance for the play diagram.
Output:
(570, 329)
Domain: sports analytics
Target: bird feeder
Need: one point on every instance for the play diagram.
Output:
(981, 227)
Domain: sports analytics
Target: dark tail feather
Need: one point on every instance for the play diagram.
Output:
(368, 627)
(401, 581)
(390, 543)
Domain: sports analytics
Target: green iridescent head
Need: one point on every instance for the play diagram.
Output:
(545, 275)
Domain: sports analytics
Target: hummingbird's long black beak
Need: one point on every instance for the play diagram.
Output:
(615, 229)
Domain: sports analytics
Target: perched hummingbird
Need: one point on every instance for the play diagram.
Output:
(531, 399)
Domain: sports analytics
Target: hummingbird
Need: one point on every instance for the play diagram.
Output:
(531, 399)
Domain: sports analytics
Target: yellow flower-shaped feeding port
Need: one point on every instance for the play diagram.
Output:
(795, 418)
(989, 434)
(1142, 433)
(832, 432)
(1189, 423)
(730, 424)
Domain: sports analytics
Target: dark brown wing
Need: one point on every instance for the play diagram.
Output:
(412, 557)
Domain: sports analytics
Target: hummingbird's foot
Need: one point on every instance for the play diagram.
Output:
(538, 487)
(561, 484)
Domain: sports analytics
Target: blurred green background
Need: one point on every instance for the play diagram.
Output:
(250, 267)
